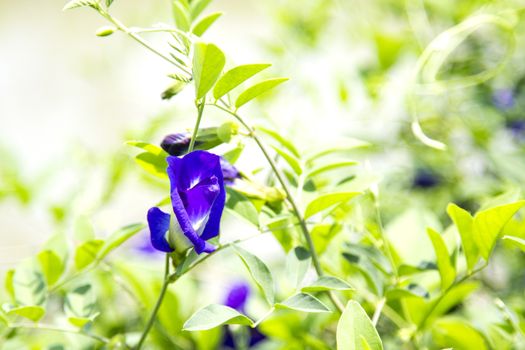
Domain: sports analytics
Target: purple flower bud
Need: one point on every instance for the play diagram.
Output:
(503, 99)
(425, 179)
(237, 296)
(176, 144)
(229, 172)
(517, 128)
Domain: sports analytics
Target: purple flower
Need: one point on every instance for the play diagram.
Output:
(237, 296)
(229, 172)
(197, 198)
(503, 99)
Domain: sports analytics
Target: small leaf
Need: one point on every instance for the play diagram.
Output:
(326, 201)
(303, 302)
(488, 224)
(280, 139)
(108, 3)
(328, 167)
(257, 89)
(463, 221)
(293, 162)
(242, 206)
(208, 62)
(236, 76)
(80, 3)
(80, 303)
(355, 331)
(446, 270)
(79, 321)
(181, 17)
(33, 313)
(518, 242)
(325, 283)
(9, 285)
(203, 25)
(51, 265)
(197, 6)
(297, 264)
(87, 252)
(29, 286)
(153, 164)
(413, 291)
(148, 147)
(116, 239)
(213, 316)
(259, 272)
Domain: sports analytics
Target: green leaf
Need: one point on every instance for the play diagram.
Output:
(488, 224)
(518, 242)
(80, 3)
(108, 3)
(208, 62)
(355, 331)
(293, 162)
(80, 304)
(328, 167)
(446, 270)
(297, 264)
(257, 89)
(322, 235)
(280, 139)
(463, 221)
(117, 238)
(87, 252)
(33, 312)
(153, 164)
(181, 16)
(197, 6)
(213, 316)
(203, 25)
(29, 286)
(242, 206)
(79, 321)
(236, 76)
(303, 302)
(326, 201)
(453, 332)
(413, 291)
(259, 272)
(9, 284)
(148, 147)
(325, 283)
(51, 265)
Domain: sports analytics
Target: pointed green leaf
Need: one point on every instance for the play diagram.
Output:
(148, 147)
(79, 321)
(80, 3)
(203, 25)
(354, 326)
(33, 312)
(297, 265)
(518, 242)
(259, 272)
(325, 283)
(153, 164)
(488, 224)
(458, 334)
(197, 6)
(87, 252)
(9, 285)
(280, 139)
(326, 201)
(51, 266)
(108, 3)
(293, 162)
(413, 291)
(463, 221)
(236, 76)
(325, 168)
(303, 302)
(180, 15)
(208, 62)
(446, 270)
(242, 206)
(117, 238)
(80, 303)
(29, 286)
(213, 316)
(257, 89)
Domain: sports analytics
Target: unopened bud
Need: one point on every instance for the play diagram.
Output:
(105, 31)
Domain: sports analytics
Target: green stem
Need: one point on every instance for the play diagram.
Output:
(153, 316)
(120, 26)
(293, 204)
(59, 329)
(200, 109)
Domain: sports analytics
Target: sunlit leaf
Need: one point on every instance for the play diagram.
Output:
(203, 25)
(51, 265)
(197, 6)
(257, 89)
(259, 272)
(446, 270)
(180, 15)
(242, 206)
(80, 3)
(235, 76)
(413, 291)
(153, 164)
(280, 139)
(325, 283)
(325, 168)
(297, 265)
(458, 334)
(293, 162)
(303, 302)
(148, 147)
(213, 316)
(516, 241)
(208, 62)
(29, 286)
(326, 201)
(9, 284)
(33, 312)
(80, 305)
(117, 238)
(355, 331)
(87, 252)
(463, 221)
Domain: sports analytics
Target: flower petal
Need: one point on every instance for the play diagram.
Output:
(199, 201)
(192, 169)
(214, 219)
(159, 224)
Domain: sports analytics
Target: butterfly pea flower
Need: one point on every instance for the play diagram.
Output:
(197, 198)
(237, 296)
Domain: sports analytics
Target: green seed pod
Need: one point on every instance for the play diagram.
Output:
(105, 31)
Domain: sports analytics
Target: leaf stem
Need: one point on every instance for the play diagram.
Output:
(295, 209)
(153, 316)
(59, 329)
(377, 312)
(200, 109)
(264, 317)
